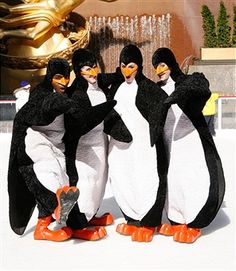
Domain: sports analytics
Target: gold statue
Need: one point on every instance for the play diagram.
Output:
(44, 14)
(32, 32)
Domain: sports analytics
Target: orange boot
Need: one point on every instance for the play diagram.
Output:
(189, 235)
(104, 220)
(170, 230)
(126, 229)
(181, 233)
(90, 234)
(66, 197)
(143, 234)
(43, 233)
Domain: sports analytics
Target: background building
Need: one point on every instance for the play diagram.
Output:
(186, 19)
(151, 24)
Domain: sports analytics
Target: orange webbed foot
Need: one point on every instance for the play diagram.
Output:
(125, 229)
(188, 235)
(68, 231)
(170, 230)
(66, 197)
(90, 234)
(143, 234)
(165, 229)
(104, 220)
(42, 232)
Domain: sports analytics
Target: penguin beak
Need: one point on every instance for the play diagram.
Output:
(128, 71)
(92, 72)
(64, 81)
(61, 83)
(160, 69)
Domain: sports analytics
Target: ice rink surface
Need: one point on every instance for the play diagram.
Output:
(214, 250)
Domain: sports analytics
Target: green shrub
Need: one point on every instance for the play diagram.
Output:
(220, 35)
(223, 27)
(234, 29)
(210, 38)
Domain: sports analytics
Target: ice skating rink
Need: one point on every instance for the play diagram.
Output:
(214, 250)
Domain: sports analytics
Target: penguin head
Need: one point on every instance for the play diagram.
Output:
(131, 62)
(57, 74)
(165, 64)
(57, 66)
(85, 65)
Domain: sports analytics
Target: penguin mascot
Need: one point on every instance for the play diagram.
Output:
(36, 172)
(37, 166)
(87, 153)
(196, 183)
(137, 164)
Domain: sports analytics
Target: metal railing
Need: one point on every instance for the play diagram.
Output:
(220, 115)
(221, 102)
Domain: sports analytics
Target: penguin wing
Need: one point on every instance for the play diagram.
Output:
(96, 115)
(149, 101)
(115, 127)
(107, 79)
(21, 201)
(43, 107)
(54, 105)
(83, 117)
(191, 94)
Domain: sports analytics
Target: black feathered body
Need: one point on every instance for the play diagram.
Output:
(148, 105)
(196, 183)
(23, 186)
(86, 148)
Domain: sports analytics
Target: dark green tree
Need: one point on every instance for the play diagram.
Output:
(234, 29)
(223, 27)
(210, 37)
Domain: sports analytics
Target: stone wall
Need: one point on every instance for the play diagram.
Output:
(221, 75)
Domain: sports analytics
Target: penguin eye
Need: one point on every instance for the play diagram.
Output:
(58, 76)
(86, 69)
(123, 65)
(131, 65)
(162, 65)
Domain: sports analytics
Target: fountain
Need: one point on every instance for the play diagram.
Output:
(110, 34)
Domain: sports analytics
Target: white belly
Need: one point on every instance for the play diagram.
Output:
(188, 175)
(133, 166)
(91, 163)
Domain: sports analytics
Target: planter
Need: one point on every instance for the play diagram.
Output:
(218, 53)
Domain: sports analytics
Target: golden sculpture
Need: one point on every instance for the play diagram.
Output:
(36, 30)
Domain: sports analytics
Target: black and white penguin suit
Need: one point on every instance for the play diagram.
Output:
(196, 183)
(137, 169)
(25, 189)
(87, 154)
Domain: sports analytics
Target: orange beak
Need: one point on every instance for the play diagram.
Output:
(63, 81)
(92, 72)
(128, 71)
(159, 70)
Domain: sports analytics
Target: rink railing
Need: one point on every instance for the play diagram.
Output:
(7, 101)
(220, 102)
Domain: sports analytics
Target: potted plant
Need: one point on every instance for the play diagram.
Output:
(218, 43)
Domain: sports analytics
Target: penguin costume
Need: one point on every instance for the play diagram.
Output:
(87, 152)
(196, 183)
(137, 169)
(36, 172)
